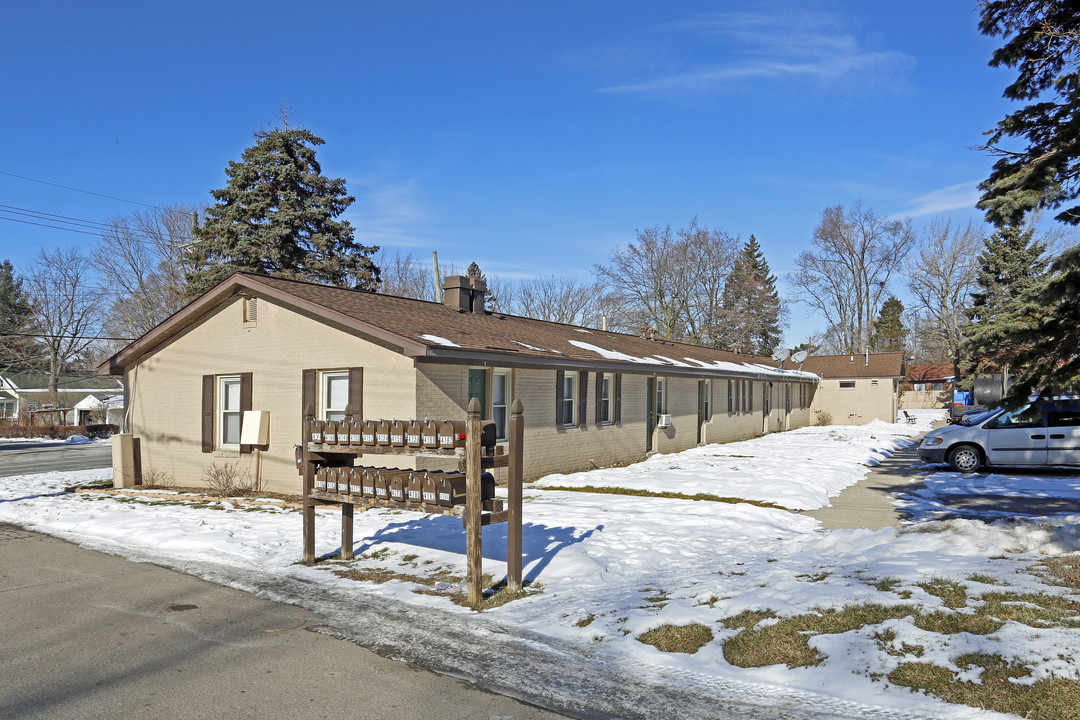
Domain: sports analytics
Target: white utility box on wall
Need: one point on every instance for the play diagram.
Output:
(255, 427)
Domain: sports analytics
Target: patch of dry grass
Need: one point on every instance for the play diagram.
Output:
(1053, 699)
(1063, 570)
(677, 638)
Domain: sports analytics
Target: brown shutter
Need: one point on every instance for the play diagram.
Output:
(208, 413)
(598, 405)
(307, 403)
(618, 399)
(355, 408)
(583, 391)
(559, 375)
(245, 404)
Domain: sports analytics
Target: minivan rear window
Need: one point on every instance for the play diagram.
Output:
(1063, 415)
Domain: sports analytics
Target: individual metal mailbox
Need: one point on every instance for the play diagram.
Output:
(356, 482)
(414, 487)
(382, 488)
(330, 432)
(395, 483)
(382, 433)
(412, 434)
(367, 432)
(429, 493)
(330, 484)
(368, 482)
(343, 431)
(429, 434)
(355, 432)
(450, 488)
(320, 478)
(397, 433)
(452, 434)
(344, 480)
(316, 427)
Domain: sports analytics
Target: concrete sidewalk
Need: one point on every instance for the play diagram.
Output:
(869, 503)
(89, 635)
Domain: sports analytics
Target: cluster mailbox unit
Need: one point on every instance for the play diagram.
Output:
(326, 460)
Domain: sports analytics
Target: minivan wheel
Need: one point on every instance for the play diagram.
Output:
(965, 458)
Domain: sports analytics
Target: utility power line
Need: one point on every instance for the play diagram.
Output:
(75, 189)
(78, 225)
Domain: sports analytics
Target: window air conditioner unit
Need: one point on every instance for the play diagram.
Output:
(663, 421)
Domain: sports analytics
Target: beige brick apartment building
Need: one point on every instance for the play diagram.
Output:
(591, 397)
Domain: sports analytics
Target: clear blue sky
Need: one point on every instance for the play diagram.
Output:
(530, 137)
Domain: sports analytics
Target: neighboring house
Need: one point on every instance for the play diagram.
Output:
(927, 386)
(591, 397)
(856, 389)
(25, 398)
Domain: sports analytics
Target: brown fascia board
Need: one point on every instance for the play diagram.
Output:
(451, 356)
(228, 288)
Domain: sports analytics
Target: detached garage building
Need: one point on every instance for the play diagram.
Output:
(856, 389)
(591, 397)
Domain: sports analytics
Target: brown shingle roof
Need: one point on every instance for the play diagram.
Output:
(879, 365)
(920, 373)
(430, 330)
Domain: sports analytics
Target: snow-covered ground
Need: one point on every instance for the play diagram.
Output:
(606, 568)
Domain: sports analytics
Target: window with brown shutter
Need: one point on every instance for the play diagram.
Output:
(618, 398)
(208, 413)
(355, 408)
(583, 390)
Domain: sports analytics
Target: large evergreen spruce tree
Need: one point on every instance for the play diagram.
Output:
(889, 334)
(1035, 333)
(752, 308)
(277, 216)
(1009, 266)
(18, 351)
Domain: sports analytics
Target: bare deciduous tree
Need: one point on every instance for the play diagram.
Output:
(561, 300)
(671, 281)
(140, 266)
(67, 308)
(846, 275)
(404, 276)
(941, 277)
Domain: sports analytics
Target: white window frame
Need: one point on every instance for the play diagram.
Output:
(325, 409)
(605, 386)
(569, 399)
(846, 384)
(224, 382)
(661, 396)
(501, 434)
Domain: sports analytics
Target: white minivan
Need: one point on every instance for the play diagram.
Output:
(1046, 432)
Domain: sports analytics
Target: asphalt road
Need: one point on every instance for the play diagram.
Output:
(87, 635)
(23, 457)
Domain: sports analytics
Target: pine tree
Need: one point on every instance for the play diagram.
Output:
(751, 304)
(1035, 332)
(1009, 265)
(276, 217)
(17, 351)
(889, 333)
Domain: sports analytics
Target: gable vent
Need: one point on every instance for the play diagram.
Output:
(251, 310)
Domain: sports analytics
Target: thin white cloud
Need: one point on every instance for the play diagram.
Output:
(388, 214)
(793, 45)
(962, 196)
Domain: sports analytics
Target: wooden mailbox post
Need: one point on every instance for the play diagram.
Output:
(477, 511)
